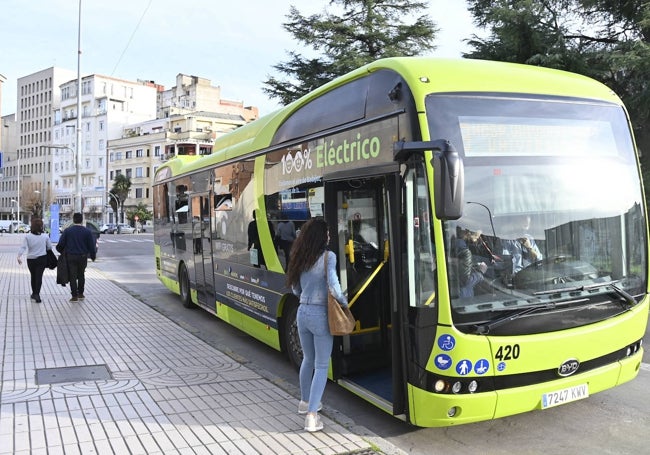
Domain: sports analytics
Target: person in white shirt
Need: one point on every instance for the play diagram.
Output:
(35, 246)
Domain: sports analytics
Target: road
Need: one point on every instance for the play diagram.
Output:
(616, 421)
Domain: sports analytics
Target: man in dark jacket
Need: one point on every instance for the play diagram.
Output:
(78, 244)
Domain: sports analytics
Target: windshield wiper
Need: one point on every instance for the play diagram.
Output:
(627, 298)
(484, 329)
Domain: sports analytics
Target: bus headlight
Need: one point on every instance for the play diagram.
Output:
(473, 386)
(456, 387)
(440, 385)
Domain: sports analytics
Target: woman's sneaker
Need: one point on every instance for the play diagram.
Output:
(313, 423)
(303, 407)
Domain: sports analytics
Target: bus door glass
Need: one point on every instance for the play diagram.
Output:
(356, 211)
(202, 249)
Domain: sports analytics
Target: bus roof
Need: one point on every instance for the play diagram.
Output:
(425, 75)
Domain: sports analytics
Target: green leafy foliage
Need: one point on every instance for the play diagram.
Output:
(349, 34)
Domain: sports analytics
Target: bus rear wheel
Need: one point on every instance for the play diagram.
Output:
(291, 337)
(184, 283)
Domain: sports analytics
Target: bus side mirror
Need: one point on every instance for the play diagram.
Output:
(448, 178)
(449, 183)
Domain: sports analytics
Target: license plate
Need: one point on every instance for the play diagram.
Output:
(567, 395)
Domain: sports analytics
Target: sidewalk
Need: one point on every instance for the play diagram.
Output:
(110, 375)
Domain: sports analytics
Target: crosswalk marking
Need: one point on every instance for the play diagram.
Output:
(125, 240)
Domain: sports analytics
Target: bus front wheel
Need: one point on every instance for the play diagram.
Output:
(184, 283)
(291, 337)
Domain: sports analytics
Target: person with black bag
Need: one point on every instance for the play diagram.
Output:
(77, 243)
(35, 246)
(308, 279)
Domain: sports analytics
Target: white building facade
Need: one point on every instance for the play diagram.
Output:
(144, 146)
(107, 104)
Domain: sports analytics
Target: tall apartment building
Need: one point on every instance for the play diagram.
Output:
(9, 182)
(107, 104)
(26, 176)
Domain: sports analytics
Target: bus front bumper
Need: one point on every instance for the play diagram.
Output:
(429, 409)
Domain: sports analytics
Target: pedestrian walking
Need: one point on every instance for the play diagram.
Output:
(35, 246)
(77, 243)
(285, 236)
(310, 281)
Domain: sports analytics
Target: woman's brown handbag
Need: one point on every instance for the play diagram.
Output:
(340, 318)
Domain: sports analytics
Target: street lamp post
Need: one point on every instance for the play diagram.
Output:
(13, 201)
(117, 205)
(78, 208)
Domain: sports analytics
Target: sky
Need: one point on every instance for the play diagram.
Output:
(233, 44)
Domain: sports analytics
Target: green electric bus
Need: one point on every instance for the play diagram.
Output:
(488, 220)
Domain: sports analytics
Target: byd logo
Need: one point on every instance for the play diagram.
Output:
(568, 367)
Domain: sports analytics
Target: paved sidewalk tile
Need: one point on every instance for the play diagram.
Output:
(167, 391)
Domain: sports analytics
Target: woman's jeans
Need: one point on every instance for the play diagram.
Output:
(316, 342)
(36, 268)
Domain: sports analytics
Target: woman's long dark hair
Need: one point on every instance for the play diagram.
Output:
(307, 248)
(36, 226)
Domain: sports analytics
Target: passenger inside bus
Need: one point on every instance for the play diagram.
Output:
(470, 271)
(523, 250)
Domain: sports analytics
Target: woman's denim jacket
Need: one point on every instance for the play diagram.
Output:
(313, 287)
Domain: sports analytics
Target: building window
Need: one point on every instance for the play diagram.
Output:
(138, 172)
(156, 150)
(138, 193)
(129, 173)
(138, 153)
(129, 154)
(85, 87)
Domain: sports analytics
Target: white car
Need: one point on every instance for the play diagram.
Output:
(125, 229)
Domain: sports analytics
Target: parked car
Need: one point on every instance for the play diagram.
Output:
(123, 229)
(23, 228)
(8, 225)
(105, 228)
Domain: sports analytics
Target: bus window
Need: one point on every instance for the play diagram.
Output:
(233, 204)
(181, 205)
(289, 202)
(421, 252)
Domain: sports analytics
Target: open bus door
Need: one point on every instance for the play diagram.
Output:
(362, 215)
(202, 250)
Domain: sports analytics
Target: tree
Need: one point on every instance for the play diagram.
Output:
(140, 211)
(120, 191)
(363, 31)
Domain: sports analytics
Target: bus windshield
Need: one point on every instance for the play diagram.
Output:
(552, 233)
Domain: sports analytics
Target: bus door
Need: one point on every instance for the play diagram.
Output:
(358, 212)
(202, 250)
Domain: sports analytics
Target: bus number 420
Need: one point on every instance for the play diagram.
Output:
(508, 352)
